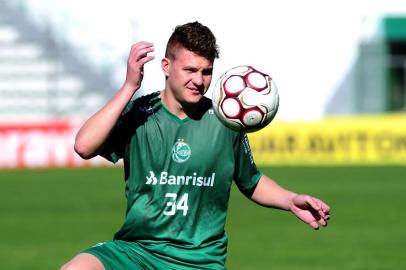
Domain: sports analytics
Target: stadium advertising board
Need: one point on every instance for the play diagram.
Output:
(333, 141)
(40, 144)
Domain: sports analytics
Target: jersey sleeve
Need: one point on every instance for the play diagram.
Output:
(115, 146)
(246, 174)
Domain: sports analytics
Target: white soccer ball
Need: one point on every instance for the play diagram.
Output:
(245, 99)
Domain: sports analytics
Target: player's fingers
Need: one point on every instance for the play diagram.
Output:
(325, 210)
(315, 205)
(314, 225)
(322, 214)
(142, 53)
(140, 45)
(146, 59)
(318, 205)
(140, 50)
(323, 222)
(138, 66)
(319, 217)
(324, 206)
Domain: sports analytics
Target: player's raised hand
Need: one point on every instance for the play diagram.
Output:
(139, 55)
(310, 210)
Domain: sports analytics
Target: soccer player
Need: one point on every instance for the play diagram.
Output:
(179, 163)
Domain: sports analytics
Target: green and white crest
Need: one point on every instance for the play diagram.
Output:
(181, 151)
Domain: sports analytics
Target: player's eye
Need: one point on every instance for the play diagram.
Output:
(190, 70)
(207, 72)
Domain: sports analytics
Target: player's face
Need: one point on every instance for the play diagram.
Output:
(188, 76)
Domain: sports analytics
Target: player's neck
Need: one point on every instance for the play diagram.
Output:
(176, 107)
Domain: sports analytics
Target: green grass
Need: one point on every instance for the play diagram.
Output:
(47, 216)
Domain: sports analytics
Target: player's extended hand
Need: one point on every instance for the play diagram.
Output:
(310, 210)
(139, 55)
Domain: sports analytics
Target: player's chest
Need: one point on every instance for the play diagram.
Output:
(190, 143)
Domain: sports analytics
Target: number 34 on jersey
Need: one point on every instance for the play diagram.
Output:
(176, 203)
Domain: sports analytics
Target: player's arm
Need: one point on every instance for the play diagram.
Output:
(309, 209)
(95, 131)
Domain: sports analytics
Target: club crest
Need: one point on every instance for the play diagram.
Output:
(181, 151)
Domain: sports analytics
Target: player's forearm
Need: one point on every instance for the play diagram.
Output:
(268, 193)
(95, 131)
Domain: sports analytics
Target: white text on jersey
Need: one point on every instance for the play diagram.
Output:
(180, 180)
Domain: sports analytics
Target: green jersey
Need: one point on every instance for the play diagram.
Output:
(178, 175)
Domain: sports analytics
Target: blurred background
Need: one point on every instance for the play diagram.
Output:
(340, 132)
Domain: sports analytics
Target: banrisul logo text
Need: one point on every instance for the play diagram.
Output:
(181, 151)
(164, 178)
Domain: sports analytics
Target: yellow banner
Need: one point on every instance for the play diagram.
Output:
(332, 141)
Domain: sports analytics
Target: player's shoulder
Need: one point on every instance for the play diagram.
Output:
(145, 104)
(146, 100)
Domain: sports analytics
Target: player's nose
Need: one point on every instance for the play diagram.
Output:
(198, 79)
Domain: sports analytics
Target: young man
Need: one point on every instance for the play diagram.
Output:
(176, 187)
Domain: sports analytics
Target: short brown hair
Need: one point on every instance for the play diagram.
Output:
(194, 37)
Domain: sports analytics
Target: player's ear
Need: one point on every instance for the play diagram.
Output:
(165, 64)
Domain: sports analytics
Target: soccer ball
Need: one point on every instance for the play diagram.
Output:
(245, 99)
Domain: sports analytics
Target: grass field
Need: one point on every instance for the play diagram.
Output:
(47, 216)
